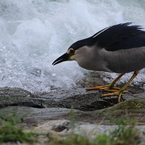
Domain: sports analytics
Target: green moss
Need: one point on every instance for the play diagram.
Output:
(71, 139)
(124, 134)
(131, 105)
(126, 110)
(10, 131)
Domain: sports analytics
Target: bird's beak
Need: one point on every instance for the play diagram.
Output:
(62, 58)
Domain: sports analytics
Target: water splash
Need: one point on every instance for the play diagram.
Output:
(34, 33)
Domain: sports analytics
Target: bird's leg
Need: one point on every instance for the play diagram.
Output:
(110, 87)
(119, 93)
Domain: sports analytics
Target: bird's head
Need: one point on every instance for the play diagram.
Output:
(73, 52)
(69, 55)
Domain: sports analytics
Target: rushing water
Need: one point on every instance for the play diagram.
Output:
(33, 33)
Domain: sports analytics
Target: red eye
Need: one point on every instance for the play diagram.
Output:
(72, 51)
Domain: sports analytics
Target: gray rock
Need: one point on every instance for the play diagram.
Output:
(17, 96)
(78, 99)
(88, 111)
(56, 104)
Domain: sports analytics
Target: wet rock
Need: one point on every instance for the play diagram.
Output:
(58, 105)
(75, 98)
(61, 126)
(52, 112)
(57, 116)
(35, 116)
(79, 99)
(17, 97)
(130, 109)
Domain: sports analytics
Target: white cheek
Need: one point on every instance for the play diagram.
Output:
(73, 57)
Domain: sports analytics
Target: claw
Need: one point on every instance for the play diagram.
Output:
(104, 88)
(117, 93)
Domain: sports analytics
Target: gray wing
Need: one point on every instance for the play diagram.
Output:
(124, 60)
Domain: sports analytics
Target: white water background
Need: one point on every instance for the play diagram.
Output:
(33, 33)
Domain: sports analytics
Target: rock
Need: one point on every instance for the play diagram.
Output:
(79, 99)
(59, 103)
(17, 97)
(52, 113)
(35, 116)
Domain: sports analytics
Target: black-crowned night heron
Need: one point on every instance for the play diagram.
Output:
(119, 48)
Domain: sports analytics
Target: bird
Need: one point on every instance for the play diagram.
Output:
(119, 48)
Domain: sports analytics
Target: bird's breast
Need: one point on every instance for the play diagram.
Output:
(90, 59)
(120, 61)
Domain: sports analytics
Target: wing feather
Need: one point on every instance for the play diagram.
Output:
(120, 36)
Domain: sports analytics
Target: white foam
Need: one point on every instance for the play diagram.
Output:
(34, 33)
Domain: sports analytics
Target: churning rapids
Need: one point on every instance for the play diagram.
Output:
(33, 33)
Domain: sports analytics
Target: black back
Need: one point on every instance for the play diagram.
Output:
(116, 37)
(121, 36)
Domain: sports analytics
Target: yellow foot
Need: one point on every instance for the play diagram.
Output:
(117, 93)
(104, 88)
